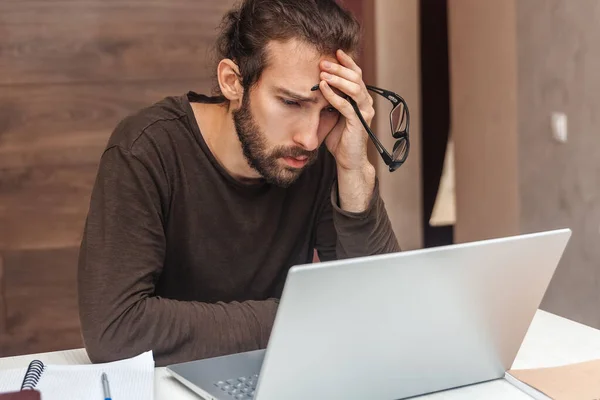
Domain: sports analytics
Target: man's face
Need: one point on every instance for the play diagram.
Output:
(281, 123)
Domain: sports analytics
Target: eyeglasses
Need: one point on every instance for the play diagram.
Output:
(399, 123)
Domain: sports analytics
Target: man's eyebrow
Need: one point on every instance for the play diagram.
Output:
(296, 96)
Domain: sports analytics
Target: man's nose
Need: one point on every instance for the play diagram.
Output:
(308, 136)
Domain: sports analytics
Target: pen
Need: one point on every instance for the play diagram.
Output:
(105, 387)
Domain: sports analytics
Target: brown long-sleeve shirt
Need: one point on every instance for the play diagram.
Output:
(179, 258)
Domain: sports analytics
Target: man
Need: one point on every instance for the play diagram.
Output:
(202, 204)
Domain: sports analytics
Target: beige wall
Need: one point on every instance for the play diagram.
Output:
(514, 63)
(484, 117)
(392, 62)
(559, 70)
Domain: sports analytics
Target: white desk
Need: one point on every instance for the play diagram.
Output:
(550, 341)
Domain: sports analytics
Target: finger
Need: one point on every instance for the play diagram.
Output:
(341, 71)
(358, 92)
(348, 62)
(338, 102)
(352, 89)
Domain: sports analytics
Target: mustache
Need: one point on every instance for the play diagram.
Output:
(293, 152)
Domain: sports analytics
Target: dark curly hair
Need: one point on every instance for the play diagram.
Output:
(252, 24)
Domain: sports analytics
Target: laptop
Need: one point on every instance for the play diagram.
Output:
(392, 326)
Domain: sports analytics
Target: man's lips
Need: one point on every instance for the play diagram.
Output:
(296, 162)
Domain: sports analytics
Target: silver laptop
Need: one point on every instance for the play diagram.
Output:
(392, 326)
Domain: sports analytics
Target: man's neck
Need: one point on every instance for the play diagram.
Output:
(218, 130)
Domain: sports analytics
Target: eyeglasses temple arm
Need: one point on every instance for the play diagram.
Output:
(387, 158)
(387, 94)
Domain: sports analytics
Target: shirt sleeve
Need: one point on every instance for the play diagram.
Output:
(121, 258)
(341, 234)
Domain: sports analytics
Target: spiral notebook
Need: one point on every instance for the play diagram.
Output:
(131, 379)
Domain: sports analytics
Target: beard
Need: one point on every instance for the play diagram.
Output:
(258, 155)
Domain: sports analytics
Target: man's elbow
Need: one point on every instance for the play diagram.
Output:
(99, 347)
(107, 344)
(97, 351)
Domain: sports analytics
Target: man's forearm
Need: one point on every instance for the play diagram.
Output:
(359, 225)
(355, 188)
(176, 331)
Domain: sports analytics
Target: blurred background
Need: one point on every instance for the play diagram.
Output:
(504, 98)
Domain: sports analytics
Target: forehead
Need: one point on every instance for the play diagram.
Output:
(294, 63)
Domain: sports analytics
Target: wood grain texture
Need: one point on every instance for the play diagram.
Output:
(98, 40)
(70, 70)
(41, 297)
(3, 322)
(69, 124)
(50, 145)
(44, 207)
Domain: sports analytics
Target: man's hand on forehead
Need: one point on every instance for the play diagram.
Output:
(343, 87)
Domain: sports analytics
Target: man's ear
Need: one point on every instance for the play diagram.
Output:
(229, 78)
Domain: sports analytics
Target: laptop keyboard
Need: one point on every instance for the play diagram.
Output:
(241, 388)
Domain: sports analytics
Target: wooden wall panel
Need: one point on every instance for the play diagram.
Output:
(51, 138)
(70, 70)
(95, 40)
(44, 207)
(41, 302)
(69, 124)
